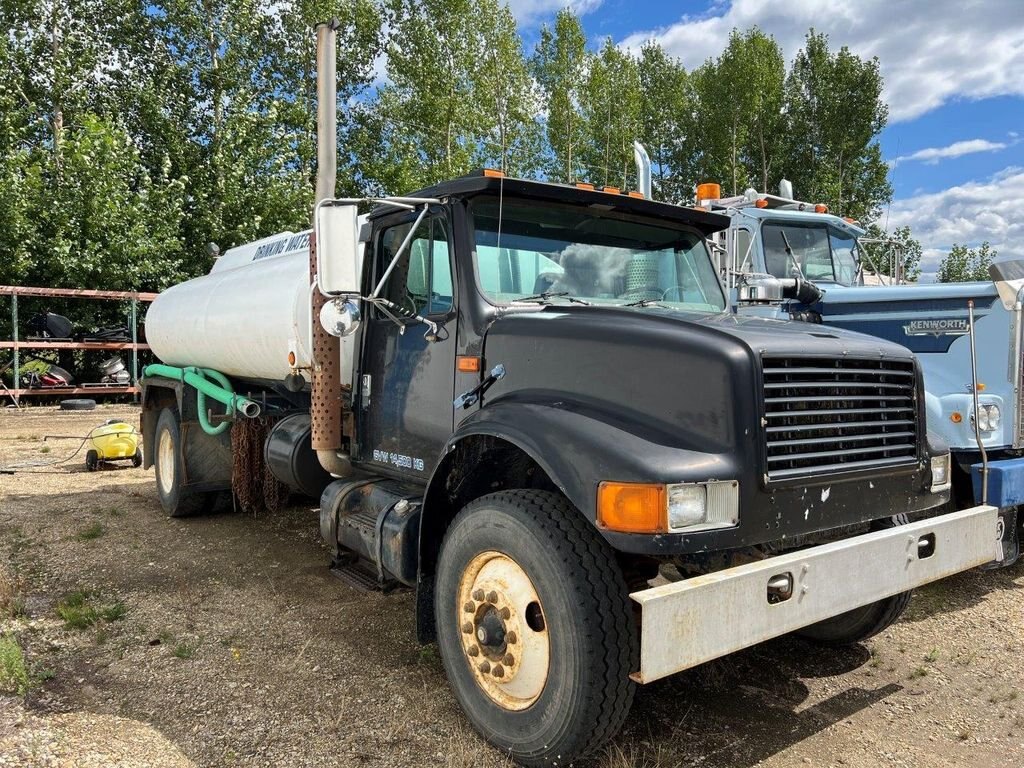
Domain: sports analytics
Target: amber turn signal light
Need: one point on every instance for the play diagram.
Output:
(631, 507)
(468, 364)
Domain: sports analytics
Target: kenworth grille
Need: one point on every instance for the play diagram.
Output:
(826, 415)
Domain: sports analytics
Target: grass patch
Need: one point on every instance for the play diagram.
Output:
(12, 594)
(918, 672)
(80, 610)
(932, 656)
(184, 650)
(45, 449)
(14, 677)
(91, 533)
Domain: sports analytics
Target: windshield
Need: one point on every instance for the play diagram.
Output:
(563, 251)
(817, 251)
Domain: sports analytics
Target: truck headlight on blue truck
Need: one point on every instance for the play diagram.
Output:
(988, 417)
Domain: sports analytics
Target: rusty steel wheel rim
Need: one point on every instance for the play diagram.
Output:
(503, 631)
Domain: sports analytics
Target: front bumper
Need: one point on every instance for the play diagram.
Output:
(689, 622)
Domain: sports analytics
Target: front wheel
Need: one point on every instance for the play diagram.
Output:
(867, 621)
(535, 626)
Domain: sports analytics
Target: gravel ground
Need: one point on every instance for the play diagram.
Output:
(224, 640)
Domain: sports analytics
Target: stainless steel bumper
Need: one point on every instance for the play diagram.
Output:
(695, 620)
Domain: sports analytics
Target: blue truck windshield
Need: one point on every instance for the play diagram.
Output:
(538, 247)
(816, 251)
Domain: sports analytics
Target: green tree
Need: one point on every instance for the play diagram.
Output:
(834, 110)
(559, 65)
(740, 97)
(667, 126)
(965, 265)
(611, 112)
(898, 247)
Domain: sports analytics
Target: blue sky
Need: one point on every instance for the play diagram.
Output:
(954, 82)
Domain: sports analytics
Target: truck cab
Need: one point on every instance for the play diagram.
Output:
(779, 237)
(546, 419)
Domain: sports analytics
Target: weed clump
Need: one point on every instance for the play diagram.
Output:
(80, 610)
(14, 677)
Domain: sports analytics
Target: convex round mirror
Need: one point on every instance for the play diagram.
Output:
(340, 317)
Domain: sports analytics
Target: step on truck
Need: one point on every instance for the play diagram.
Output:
(531, 404)
(786, 258)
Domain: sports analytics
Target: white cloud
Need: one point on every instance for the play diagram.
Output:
(529, 13)
(967, 214)
(931, 51)
(932, 155)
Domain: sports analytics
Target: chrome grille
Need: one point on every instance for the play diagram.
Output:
(837, 415)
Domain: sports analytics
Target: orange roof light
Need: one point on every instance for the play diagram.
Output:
(584, 185)
(708, 191)
(821, 208)
(761, 203)
(493, 174)
(634, 193)
(612, 190)
(631, 507)
(468, 364)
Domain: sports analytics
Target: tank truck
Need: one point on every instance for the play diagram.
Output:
(828, 275)
(529, 401)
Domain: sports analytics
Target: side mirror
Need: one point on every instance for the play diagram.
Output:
(337, 247)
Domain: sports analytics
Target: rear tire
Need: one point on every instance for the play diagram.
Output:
(867, 621)
(92, 461)
(137, 458)
(78, 405)
(556, 620)
(168, 453)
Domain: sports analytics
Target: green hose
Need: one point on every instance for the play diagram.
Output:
(221, 391)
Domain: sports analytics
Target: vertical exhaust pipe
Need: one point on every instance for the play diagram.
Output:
(326, 404)
(643, 169)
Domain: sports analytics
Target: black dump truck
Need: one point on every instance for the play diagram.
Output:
(530, 403)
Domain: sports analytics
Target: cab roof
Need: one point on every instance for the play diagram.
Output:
(613, 200)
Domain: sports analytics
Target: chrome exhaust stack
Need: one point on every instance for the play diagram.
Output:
(643, 169)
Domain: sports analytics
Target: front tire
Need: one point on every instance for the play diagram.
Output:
(535, 627)
(175, 498)
(867, 621)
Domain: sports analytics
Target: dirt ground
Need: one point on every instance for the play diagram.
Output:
(224, 640)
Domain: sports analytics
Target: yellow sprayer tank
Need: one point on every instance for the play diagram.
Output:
(113, 441)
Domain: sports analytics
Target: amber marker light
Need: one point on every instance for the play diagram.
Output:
(762, 203)
(584, 185)
(468, 364)
(708, 191)
(493, 174)
(612, 190)
(819, 208)
(631, 507)
(956, 417)
(291, 359)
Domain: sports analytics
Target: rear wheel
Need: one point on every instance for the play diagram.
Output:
(535, 626)
(137, 458)
(861, 623)
(175, 498)
(92, 461)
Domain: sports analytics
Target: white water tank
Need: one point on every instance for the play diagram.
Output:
(244, 317)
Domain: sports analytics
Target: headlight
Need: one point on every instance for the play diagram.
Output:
(982, 416)
(940, 473)
(994, 416)
(703, 505)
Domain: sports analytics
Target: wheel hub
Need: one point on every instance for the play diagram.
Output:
(165, 461)
(502, 630)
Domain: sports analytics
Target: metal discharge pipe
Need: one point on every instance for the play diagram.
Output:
(643, 169)
(326, 390)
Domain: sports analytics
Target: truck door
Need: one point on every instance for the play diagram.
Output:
(406, 403)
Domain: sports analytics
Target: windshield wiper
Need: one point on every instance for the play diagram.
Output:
(548, 295)
(645, 302)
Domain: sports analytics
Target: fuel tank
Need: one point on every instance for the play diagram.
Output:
(244, 317)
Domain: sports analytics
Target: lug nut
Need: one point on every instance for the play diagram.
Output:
(498, 671)
(473, 651)
(509, 659)
(506, 614)
(467, 628)
(511, 638)
(492, 596)
(485, 667)
(469, 606)
(478, 595)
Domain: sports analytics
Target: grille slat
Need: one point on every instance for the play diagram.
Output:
(829, 416)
